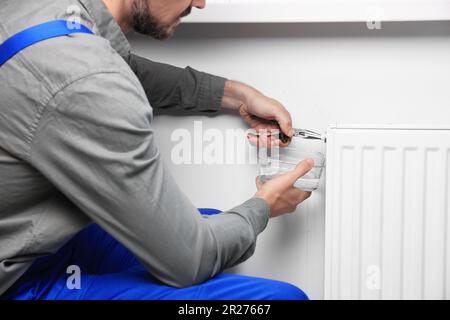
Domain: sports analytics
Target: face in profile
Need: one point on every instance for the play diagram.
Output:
(159, 18)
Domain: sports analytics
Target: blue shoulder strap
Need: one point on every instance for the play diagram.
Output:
(32, 35)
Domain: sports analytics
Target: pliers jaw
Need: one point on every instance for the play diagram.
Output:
(308, 134)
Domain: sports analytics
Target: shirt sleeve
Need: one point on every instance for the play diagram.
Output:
(169, 87)
(95, 143)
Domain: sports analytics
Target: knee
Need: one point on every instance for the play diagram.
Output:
(287, 291)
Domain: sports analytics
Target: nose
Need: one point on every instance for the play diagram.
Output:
(199, 4)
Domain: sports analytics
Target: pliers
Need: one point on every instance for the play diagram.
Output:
(304, 134)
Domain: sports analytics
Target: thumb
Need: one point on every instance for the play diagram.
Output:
(300, 170)
(259, 183)
(285, 123)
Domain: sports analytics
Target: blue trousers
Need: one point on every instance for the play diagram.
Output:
(109, 271)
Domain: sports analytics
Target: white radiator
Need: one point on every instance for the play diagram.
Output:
(387, 213)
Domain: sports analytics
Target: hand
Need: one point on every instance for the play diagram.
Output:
(280, 193)
(260, 112)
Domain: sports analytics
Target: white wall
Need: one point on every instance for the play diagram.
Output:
(323, 73)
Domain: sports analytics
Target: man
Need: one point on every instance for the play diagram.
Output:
(77, 146)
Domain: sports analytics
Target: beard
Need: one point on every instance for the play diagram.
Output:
(147, 24)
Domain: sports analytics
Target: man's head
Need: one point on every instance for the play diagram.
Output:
(159, 18)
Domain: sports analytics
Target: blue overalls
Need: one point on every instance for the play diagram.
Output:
(108, 270)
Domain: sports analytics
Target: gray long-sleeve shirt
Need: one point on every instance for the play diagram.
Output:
(77, 145)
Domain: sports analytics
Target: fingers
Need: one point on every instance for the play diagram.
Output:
(285, 122)
(298, 195)
(303, 196)
(300, 170)
(288, 179)
(285, 144)
(263, 139)
(253, 139)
